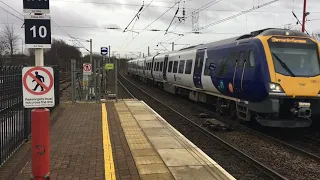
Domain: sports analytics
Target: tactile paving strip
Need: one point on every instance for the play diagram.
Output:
(149, 163)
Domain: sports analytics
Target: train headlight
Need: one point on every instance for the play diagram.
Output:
(274, 87)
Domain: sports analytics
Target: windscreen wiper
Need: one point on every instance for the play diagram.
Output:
(283, 64)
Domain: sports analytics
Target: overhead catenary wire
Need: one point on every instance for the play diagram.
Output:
(172, 20)
(317, 19)
(230, 17)
(11, 13)
(136, 16)
(12, 9)
(198, 10)
(158, 6)
(206, 6)
(153, 22)
(236, 15)
(135, 22)
(299, 22)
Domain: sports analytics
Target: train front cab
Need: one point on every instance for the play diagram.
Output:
(294, 85)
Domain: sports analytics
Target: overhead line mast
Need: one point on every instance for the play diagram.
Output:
(304, 15)
(135, 16)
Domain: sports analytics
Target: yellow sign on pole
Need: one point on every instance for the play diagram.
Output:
(109, 66)
(85, 83)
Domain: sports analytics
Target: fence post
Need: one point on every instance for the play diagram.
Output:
(57, 86)
(73, 80)
(98, 98)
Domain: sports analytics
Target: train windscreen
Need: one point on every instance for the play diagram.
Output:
(295, 57)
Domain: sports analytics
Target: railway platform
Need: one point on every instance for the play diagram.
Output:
(123, 140)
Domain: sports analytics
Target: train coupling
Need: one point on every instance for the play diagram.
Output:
(301, 110)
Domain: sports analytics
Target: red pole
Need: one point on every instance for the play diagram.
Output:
(304, 15)
(40, 132)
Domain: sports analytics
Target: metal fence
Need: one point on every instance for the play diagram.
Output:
(15, 121)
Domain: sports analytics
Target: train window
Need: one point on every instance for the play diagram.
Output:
(181, 66)
(251, 59)
(161, 66)
(170, 67)
(157, 66)
(223, 67)
(241, 59)
(207, 67)
(154, 66)
(175, 66)
(188, 67)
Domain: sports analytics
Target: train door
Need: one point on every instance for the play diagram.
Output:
(238, 74)
(197, 73)
(152, 66)
(164, 71)
(144, 67)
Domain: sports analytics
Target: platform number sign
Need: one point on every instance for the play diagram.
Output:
(37, 31)
(36, 6)
(104, 51)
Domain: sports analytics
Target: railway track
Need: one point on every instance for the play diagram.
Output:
(64, 85)
(317, 140)
(211, 144)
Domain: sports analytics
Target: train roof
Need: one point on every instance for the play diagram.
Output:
(262, 32)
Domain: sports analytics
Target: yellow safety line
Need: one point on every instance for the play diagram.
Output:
(108, 159)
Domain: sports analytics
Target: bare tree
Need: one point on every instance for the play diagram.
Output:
(10, 39)
(31, 52)
(2, 51)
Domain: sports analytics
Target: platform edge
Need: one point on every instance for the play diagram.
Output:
(219, 168)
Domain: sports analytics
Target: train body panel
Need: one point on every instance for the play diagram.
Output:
(180, 68)
(269, 75)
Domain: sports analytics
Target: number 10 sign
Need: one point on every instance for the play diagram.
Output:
(37, 29)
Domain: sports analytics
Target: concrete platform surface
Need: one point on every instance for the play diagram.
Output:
(161, 152)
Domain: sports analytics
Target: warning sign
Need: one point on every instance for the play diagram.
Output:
(38, 87)
(87, 69)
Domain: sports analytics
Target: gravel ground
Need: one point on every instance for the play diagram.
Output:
(123, 93)
(65, 95)
(283, 160)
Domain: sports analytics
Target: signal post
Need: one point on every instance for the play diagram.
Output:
(38, 84)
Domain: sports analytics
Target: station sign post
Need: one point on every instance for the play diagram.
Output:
(104, 53)
(38, 84)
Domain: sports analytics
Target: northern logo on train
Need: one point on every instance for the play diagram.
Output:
(221, 87)
(230, 87)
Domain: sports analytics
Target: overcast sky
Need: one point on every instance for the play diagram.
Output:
(87, 19)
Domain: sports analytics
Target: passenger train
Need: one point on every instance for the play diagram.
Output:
(271, 76)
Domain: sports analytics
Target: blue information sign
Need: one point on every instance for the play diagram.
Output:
(104, 51)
